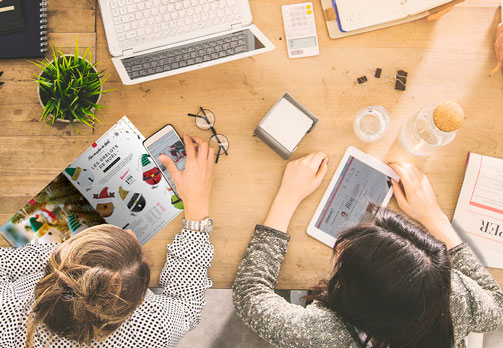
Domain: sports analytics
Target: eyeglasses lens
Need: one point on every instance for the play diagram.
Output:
(206, 120)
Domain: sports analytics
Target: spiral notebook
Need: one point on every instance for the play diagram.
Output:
(31, 42)
(334, 31)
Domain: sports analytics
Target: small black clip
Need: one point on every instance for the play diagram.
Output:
(68, 293)
(401, 80)
(362, 79)
(378, 73)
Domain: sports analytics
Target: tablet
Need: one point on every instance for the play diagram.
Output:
(361, 184)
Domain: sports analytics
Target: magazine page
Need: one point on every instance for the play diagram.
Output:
(479, 213)
(122, 183)
(55, 214)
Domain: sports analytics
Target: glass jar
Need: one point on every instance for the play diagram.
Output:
(371, 123)
(420, 136)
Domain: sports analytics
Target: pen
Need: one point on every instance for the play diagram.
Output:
(498, 67)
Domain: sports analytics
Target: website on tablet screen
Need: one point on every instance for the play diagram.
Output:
(359, 192)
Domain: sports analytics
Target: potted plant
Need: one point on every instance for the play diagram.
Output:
(69, 88)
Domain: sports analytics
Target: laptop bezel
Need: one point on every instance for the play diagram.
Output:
(268, 46)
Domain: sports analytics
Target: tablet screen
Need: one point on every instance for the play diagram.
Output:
(360, 190)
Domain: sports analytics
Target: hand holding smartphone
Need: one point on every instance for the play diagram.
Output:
(196, 179)
(167, 141)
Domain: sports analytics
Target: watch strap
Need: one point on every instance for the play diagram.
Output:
(200, 226)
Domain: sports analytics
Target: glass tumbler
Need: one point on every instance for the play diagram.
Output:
(371, 123)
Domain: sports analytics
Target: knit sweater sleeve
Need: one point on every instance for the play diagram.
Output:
(476, 299)
(281, 323)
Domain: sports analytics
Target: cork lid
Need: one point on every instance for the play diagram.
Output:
(448, 116)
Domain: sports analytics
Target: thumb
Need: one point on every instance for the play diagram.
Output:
(323, 169)
(170, 165)
(400, 196)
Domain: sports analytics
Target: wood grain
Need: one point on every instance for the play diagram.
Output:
(446, 60)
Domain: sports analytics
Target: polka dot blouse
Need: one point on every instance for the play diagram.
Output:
(160, 321)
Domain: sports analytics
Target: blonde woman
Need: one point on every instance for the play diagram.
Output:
(92, 289)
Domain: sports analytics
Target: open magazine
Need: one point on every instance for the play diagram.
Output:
(479, 213)
(114, 181)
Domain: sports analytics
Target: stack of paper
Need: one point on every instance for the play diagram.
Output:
(287, 124)
(479, 213)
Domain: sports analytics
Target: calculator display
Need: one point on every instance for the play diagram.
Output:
(302, 42)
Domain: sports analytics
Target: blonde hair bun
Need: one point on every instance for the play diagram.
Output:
(448, 116)
(92, 283)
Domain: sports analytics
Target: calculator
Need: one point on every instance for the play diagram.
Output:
(300, 30)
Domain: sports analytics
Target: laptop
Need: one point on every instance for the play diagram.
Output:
(150, 39)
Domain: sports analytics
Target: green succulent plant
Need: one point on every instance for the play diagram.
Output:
(70, 87)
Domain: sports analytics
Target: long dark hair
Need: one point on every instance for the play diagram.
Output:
(392, 280)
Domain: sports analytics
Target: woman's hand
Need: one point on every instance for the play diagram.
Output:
(439, 14)
(303, 176)
(193, 184)
(420, 203)
(300, 179)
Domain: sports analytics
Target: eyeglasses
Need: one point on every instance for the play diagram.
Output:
(205, 120)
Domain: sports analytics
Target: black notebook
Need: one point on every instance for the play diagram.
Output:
(31, 42)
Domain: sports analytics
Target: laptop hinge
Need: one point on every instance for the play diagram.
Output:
(127, 52)
(236, 26)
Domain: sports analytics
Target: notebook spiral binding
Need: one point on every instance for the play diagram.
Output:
(43, 26)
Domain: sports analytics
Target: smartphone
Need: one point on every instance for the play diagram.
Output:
(166, 141)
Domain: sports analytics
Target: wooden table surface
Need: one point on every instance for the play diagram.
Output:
(446, 60)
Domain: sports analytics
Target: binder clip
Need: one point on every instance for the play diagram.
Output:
(377, 72)
(400, 80)
(1, 82)
(362, 79)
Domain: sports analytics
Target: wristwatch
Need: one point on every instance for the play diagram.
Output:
(205, 225)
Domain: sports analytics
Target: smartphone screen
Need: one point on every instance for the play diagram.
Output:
(171, 145)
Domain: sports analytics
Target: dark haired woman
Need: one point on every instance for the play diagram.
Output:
(394, 283)
(92, 289)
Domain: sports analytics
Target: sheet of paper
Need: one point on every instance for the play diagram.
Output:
(287, 124)
(479, 213)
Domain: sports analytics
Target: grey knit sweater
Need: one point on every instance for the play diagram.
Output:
(476, 299)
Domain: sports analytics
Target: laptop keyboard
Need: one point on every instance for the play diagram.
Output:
(148, 20)
(187, 55)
